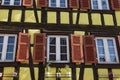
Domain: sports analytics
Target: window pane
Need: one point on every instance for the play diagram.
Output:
(17, 2)
(9, 56)
(62, 3)
(53, 41)
(53, 3)
(101, 51)
(1, 39)
(63, 57)
(52, 57)
(11, 39)
(7, 2)
(52, 49)
(63, 49)
(111, 50)
(104, 4)
(0, 55)
(63, 41)
(10, 48)
(95, 4)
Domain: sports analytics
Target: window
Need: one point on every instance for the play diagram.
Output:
(7, 47)
(58, 3)
(106, 50)
(100, 4)
(57, 49)
(11, 2)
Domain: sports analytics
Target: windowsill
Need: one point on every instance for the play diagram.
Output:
(108, 62)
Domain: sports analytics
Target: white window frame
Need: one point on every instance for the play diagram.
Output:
(58, 4)
(11, 3)
(58, 50)
(4, 49)
(106, 50)
(100, 5)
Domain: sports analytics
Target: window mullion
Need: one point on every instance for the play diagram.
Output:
(106, 50)
(57, 48)
(5, 42)
(58, 3)
(67, 50)
(11, 2)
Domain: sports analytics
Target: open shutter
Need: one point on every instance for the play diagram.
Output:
(89, 49)
(74, 3)
(77, 48)
(23, 47)
(85, 4)
(39, 47)
(115, 4)
(42, 3)
(27, 2)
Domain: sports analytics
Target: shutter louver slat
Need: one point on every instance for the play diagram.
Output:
(89, 49)
(27, 2)
(42, 3)
(115, 4)
(39, 47)
(77, 49)
(73, 3)
(85, 4)
(23, 47)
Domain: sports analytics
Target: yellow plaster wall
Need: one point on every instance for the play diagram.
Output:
(29, 17)
(51, 17)
(108, 19)
(83, 19)
(96, 19)
(16, 15)
(64, 17)
(3, 15)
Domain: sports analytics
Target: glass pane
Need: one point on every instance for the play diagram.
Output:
(1, 39)
(53, 3)
(11, 39)
(52, 57)
(62, 3)
(63, 41)
(113, 58)
(104, 4)
(101, 51)
(95, 4)
(53, 41)
(9, 56)
(1, 47)
(52, 49)
(63, 57)
(110, 42)
(7, 2)
(10, 48)
(63, 49)
(0, 55)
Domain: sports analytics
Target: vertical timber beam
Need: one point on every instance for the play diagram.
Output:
(81, 74)
(23, 15)
(110, 74)
(9, 15)
(35, 11)
(43, 16)
(102, 19)
(95, 72)
(58, 17)
(89, 17)
(17, 70)
(1, 71)
(73, 71)
(31, 66)
(114, 19)
(41, 71)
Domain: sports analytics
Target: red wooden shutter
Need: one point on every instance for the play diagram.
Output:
(115, 4)
(42, 3)
(27, 2)
(89, 49)
(23, 47)
(73, 3)
(85, 4)
(39, 47)
(77, 48)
